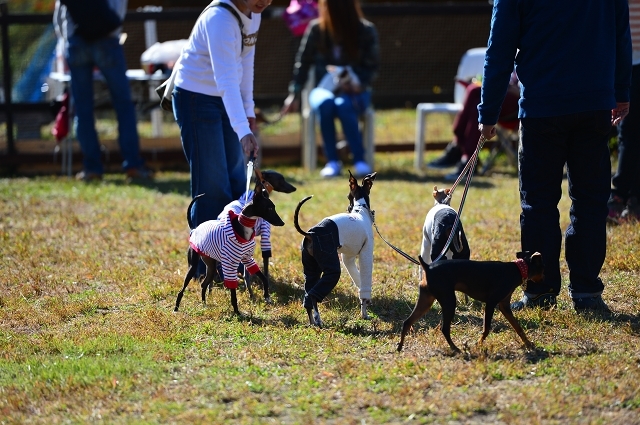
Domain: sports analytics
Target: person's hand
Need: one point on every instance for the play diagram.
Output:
(253, 126)
(621, 110)
(488, 131)
(249, 145)
(291, 104)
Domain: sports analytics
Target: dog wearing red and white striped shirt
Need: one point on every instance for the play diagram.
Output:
(229, 241)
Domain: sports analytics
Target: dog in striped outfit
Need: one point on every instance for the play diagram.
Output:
(229, 241)
(272, 181)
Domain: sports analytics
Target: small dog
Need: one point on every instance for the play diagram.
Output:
(349, 234)
(491, 282)
(229, 241)
(270, 180)
(437, 228)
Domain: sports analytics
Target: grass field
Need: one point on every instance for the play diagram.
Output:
(89, 275)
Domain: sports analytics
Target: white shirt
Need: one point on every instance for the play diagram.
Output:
(217, 61)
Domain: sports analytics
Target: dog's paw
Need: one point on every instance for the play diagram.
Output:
(267, 300)
(364, 303)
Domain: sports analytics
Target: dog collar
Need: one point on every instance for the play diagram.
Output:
(246, 221)
(522, 266)
(371, 212)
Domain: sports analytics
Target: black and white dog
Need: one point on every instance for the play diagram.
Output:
(348, 234)
(438, 225)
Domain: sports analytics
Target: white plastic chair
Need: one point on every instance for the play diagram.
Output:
(309, 147)
(471, 65)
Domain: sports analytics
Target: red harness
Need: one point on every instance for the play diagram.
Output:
(522, 266)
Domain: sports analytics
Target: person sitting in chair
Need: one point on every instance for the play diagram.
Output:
(465, 127)
(339, 39)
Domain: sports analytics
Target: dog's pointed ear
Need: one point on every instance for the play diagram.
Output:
(353, 182)
(367, 181)
(447, 191)
(536, 256)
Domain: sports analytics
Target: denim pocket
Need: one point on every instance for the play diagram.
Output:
(324, 243)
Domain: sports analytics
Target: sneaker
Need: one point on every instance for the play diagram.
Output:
(544, 301)
(361, 169)
(616, 206)
(88, 177)
(632, 211)
(139, 174)
(332, 169)
(590, 304)
(450, 158)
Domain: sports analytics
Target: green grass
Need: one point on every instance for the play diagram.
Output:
(89, 275)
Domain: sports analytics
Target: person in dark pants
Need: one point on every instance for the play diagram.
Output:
(624, 201)
(86, 50)
(575, 76)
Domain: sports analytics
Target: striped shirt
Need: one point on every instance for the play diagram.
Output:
(634, 25)
(216, 239)
(262, 227)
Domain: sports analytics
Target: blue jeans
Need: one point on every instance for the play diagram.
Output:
(546, 144)
(322, 270)
(108, 56)
(213, 151)
(626, 181)
(347, 108)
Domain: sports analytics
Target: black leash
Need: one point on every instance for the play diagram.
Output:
(395, 248)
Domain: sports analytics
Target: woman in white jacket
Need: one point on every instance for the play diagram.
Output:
(213, 102)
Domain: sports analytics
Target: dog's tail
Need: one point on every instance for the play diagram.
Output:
(295, 216)
(193, 201)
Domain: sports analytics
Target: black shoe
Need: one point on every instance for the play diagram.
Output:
(631, 211)
(616, 206)
(544, 301)
(139, 174)
(590, 304)
(450, 158)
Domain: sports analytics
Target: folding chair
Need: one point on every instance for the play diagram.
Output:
(308, 127)
(471, 65)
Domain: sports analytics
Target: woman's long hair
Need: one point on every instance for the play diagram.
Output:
(339, 20)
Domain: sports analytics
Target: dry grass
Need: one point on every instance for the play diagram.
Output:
(89, 274)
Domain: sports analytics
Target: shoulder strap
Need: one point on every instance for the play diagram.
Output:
(233, 11)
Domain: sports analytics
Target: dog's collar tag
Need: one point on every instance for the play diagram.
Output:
(522, 266)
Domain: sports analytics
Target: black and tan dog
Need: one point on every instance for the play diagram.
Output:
(228, 241)
(491, 282)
